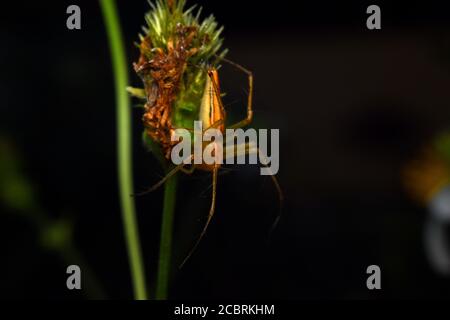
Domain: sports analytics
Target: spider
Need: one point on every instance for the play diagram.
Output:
(164, 72)
(212, 114)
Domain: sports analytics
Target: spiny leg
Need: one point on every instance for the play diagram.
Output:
(162, 181)
(210, 215)
(277, 186)
(166, 177)
(279, 191)
(249, 74)
(251, 148)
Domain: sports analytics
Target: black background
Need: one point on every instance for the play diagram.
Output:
(352, 106)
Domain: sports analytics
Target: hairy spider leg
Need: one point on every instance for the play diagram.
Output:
(248, 119)
(252, 148)
(216, 113)
(210, 215)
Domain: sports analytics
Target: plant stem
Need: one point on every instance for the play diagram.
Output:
(165, 247)
(124, 156)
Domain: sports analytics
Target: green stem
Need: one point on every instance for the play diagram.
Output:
(124, 157)
(165, 247)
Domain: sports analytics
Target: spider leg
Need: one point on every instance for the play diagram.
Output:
(248, 119)
(166, 177)
(216, 90)
(215, 125)
(277, 186)
(210, 215)
(188, 171)
(252, 148)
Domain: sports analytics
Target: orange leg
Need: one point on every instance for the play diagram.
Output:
(248, 119)
(210, 215)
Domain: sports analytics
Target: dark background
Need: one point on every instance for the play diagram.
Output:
(352, 105)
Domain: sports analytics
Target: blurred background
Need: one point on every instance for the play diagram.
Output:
(363, 117)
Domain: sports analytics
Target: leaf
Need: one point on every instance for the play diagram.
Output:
(137, 93)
